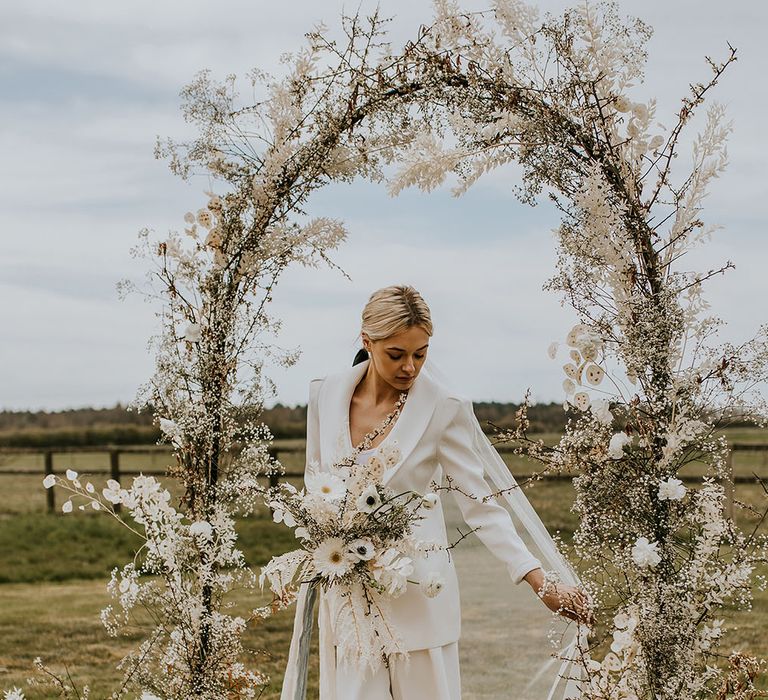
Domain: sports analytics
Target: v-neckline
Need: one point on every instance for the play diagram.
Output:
(348, 430)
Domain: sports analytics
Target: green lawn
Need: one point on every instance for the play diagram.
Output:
(55, 567)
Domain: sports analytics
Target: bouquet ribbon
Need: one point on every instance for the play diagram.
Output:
(300, 692)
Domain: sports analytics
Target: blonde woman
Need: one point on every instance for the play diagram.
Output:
(437, 435)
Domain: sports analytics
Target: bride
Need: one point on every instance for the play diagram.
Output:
(386, 398)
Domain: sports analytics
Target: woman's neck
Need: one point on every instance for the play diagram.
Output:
(376, 389)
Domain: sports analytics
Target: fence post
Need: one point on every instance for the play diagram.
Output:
(274, 477)
(729, 485)
(49, 495)
(114, 470)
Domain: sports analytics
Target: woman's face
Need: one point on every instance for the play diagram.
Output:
(399, 358)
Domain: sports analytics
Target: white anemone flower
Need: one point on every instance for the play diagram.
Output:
(432, 584)
(49, 481)
(67, 507)
(71, 474)
(369, 500)
(331, 558)
(645, 553)
(326, 485)
(671, 490)
(429, 501)
(362, 549)
(15, 694)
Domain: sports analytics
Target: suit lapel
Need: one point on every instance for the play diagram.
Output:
(334, 416)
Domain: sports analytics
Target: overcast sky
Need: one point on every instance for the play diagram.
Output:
(85, 89)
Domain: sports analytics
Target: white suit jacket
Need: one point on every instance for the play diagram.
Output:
(434, 434)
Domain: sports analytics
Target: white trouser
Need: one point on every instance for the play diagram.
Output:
(431, 674)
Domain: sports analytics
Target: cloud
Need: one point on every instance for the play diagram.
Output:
(87, 86)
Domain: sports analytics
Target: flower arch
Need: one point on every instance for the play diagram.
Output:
(645, 391)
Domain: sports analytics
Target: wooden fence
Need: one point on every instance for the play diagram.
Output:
(116, 472)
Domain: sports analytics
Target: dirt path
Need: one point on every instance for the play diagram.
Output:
(504, 626)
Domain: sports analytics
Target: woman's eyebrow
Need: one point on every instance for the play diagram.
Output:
(423, 347)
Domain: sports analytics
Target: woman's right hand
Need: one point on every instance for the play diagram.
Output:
(568, 601)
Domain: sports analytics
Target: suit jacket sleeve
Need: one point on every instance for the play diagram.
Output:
(313, 429)
(459, 461)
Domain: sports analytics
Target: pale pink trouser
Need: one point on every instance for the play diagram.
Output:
(431, 674)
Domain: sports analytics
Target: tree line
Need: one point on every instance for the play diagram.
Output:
(120, 426)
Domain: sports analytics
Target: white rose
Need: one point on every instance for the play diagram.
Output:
(169, 427)
(621, 640)
(616, 446)
(645, 553)
(671, 490)
(601, 411)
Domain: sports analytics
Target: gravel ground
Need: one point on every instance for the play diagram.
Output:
(504, 627)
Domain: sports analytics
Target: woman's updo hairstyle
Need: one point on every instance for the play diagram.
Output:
(391, 310)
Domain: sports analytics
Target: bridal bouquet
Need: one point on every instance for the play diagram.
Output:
(358, 544)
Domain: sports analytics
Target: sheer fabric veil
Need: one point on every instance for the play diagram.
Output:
(512, 646)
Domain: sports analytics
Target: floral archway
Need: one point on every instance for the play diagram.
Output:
(645, 390)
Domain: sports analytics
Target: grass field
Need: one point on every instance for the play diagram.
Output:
(59, 620)
(54, 570)
(22, 493)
